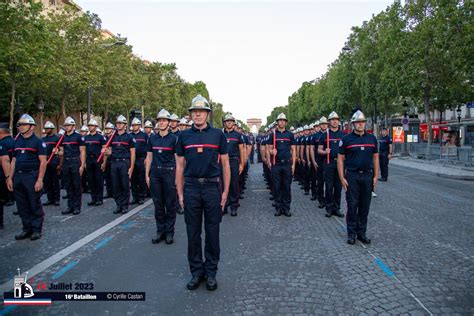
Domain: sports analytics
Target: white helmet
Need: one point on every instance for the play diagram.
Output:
(121, 119)
(92, 122)
(69, 121)
(281, 116)
(229, 117)
(174, 117)
(136, 121)
(358, 117)
(148, 124)
(163, 114)
(323, 120)
(199, 103)
(48, 124)
(333, 115)
(109, 125)
(84, 128)
(61, 131)
(306, 127)
(26, 119)
(183, 121)
(98, 130)
(190, 123)
(317, 123)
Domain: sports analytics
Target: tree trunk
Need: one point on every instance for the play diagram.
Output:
(12, 104)
(63, 104)
(426, 102)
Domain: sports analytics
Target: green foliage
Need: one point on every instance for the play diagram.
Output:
(419, 52)
(57, 57)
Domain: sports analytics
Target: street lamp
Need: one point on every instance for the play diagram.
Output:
(89, 89)
(458, 112)
(41, 108)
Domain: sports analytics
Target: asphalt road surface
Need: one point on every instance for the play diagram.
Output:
(421, 260)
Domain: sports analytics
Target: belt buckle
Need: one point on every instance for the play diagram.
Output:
(201, 180)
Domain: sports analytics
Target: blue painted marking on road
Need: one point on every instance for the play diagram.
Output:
(128, 225)
(344, 229)
(384, 267)
(103, 242)
(68, 267)
(7, 310)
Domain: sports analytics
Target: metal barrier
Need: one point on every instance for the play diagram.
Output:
(454, 155)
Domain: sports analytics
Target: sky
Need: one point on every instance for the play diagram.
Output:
(251, 54)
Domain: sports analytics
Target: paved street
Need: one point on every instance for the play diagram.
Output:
(421, 259)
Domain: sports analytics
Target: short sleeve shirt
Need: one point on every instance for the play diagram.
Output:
(163, 149)
(384, 143)
(121, 145)
(71, 145)
(334, 139)
(201, 150)
(358, 151)
(27, 152)
(284, 140)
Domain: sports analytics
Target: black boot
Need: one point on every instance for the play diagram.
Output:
(23, 235)
(35, 236)
(211, 283)
(169, 238)
(158, 239)
(195, 282)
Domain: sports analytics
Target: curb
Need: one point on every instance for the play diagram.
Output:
(412, 165)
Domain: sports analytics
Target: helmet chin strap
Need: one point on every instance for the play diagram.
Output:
(28, 130)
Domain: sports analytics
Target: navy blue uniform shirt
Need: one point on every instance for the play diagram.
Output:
(201, 149)
(3, 152)
(163, 149)
(94, 144)
(175, 133)
(284, 141)
(51, 142)
(121, 145)
(27, 152)
(359, 150)
(383, 143)
(9, 143)
(234, 139)
(334, 139)
(140, 144)
(71, 145)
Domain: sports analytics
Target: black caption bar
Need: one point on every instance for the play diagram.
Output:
(85, 296)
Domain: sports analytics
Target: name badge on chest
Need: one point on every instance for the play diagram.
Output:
(160, 151)
(22, 151)
(362, 148)
(200, 150)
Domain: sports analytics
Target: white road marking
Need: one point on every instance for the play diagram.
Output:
(65, 219)
(45, 264)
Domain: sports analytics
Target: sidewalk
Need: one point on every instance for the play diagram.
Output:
(438, 168)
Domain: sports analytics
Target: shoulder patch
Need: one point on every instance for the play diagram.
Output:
(340, 143)
(83, 139)
(43, 144)
(133, 139)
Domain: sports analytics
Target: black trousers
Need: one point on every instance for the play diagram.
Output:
(358, 198)
(73, 182)
(4, 196)
(120, 182)
(95, 179)
(281, 174)
(383, 158)
(320, 180)
(108, 178)
(163, 193)
(28, 202)
(333, 187)
(51, 181)
(306, 177)
(233, 200)
(313, 181)
(202, 199)
(137, 181)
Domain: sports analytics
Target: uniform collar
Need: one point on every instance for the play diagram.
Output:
(194, 128)
(355, 134)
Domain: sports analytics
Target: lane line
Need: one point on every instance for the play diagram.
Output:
(45, 264)
(103, 242)
(65, 269)
(65, 219)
